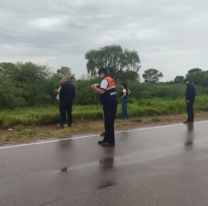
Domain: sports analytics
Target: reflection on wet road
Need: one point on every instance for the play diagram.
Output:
(157, 166)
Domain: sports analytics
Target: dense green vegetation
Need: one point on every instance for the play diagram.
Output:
(141, 108)
(30, 85)
(27, 94)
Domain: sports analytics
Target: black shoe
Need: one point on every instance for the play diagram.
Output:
(60, 126)
(106, 144)
(188, 122)
(188, 143)
(101, 142)
(102, 134)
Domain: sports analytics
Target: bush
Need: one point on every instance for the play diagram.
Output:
(139, 108)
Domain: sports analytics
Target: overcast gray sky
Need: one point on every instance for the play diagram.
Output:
(169, 35)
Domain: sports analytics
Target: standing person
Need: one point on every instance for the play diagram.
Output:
(67, 94)
(108, 97)
(58, 99)
(124, 99)
(190, 99)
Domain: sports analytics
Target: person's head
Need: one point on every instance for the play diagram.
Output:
(63, 80)
(186, 81)
(124, 86)
(102, 72)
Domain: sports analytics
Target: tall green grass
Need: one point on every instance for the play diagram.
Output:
(138, 108)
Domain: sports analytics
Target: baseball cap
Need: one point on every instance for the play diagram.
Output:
(185, 80)
(102, 70)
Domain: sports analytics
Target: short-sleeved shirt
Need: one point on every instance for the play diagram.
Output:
(110, 96)
(57, 97)
(124, 90)
(104, 84)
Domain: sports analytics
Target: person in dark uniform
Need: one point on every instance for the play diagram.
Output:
(190, 99)
(67, 94)
(108, 97)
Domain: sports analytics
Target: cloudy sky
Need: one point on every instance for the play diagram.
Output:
(169, 35)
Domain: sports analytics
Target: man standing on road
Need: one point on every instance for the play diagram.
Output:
(67, 94)
(190, 99)
(108, 98)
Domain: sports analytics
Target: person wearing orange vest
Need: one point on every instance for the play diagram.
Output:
(108, 98)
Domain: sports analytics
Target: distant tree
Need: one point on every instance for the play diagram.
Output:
(198, 77)
(7, 69)
(194, 71)
(66, 71)
(152, 75)
(113, 58)
(28, 72)
(179, 79)
(129, 76)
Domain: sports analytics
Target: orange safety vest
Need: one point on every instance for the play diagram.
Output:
(110, 95)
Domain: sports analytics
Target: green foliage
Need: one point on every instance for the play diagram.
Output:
(152, 75)
(198, 77)
(10, 95)
(66, 71)
(28, 84)
(114, 58)
(179, 79)
(141, 108)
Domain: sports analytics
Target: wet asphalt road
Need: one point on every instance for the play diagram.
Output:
(150, 167)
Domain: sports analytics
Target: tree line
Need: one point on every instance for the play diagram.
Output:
(29, 84)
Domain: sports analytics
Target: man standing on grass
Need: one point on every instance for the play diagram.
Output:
(190, 99)
(108, 98)
(67, 94)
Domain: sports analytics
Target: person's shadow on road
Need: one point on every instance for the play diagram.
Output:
(189, 135)
(106, 169)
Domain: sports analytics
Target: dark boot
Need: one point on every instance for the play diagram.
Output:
(106, 144)
(188, 122)
(101, 142)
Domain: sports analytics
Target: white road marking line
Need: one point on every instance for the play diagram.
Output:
(94, 135)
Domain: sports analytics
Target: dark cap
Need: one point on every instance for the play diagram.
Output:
(185, 80)
(102, 70)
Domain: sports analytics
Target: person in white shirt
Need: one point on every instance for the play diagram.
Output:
(58, 98)
(124, 99)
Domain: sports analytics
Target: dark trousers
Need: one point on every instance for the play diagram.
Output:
(190, 111)
(109, 118)
(59, 105)
(66, 108)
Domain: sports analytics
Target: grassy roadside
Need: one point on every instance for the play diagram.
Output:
(22, 134)
(81, 114)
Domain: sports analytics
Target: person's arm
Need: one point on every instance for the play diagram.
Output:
(124, 93)
(61, 94)
(129, 91)
(103, 87)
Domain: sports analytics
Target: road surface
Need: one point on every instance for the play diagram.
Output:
(147, 167)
